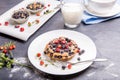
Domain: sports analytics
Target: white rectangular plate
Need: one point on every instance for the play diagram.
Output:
(15, 32)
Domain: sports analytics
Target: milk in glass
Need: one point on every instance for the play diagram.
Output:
(72, 14)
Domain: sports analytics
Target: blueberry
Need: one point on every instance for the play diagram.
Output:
(63, 67)
(81, 52)
(68, 40)
(61, 51)
(53, 45)
(11, 57)
(78, 58)
(71, 53)
(59, 57)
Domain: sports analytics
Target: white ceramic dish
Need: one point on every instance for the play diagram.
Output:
(20, 20)
(12, 31)
(82, 40)
(35, 11)
(115, 10)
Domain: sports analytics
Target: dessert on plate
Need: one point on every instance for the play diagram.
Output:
(20, 16)
(61, 49)
(35, 7)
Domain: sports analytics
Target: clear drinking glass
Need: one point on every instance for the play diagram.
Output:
(72, 11)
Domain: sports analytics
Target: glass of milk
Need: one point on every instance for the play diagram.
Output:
(72, 13)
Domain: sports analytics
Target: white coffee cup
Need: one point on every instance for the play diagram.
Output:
(72, 14)
(100, 6)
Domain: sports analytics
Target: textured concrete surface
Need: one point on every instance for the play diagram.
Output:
(106, 36)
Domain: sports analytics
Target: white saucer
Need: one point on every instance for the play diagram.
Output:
(115, 10)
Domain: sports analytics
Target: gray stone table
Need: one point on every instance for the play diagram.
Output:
(106, 36)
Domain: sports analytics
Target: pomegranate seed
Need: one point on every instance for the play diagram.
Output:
(38, 54)
(6, 23)
(22, 29)
(41, 62)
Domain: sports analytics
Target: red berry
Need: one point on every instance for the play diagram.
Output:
(0, 24)
(38, 54)
(22, 29)
(6, 23)
(13, 46)
(66, 46)
(48, 5)
(56, 41)
(59, 46)
(63, 42)
(69, 66)
(10, 48)
(17, 26)
(41, 62)
(4, 51)
(70, 43)
(78, 50)
(57, 49)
